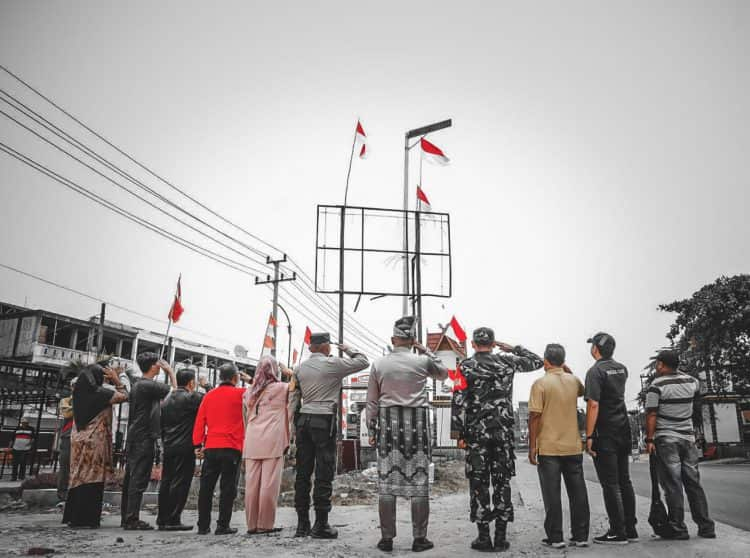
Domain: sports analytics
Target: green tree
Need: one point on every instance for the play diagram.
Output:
(712, 329)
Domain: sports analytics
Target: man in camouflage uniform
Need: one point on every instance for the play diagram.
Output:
(482, 422)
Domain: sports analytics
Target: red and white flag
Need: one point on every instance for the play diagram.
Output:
(295, 356)
(422, 201)
(458, 330)
(269, 341)
(176, 310)
(360, 142)
(308, 333)
(433, 154)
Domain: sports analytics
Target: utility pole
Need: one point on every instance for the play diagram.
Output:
(278, 277)
(100, 334)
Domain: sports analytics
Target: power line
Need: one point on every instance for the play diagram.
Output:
(42, 121)
(112, 304)
(128, 190)
(109, 205)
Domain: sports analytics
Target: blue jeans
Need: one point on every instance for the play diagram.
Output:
(678, 466)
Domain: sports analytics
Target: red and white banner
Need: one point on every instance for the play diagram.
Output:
(360, 142)
(176, 310)
(433, 154)
(423, 204)
(269, 341)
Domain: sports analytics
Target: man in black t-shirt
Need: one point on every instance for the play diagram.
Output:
(608, 439)
(143, 431)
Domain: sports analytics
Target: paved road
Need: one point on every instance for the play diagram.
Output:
(727, 488)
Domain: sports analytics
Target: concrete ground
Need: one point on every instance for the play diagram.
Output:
(358, 527)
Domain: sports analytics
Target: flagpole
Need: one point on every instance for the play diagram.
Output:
(166, 336)
(349, 170)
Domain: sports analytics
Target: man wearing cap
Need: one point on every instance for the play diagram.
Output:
(399, 426)
(672, 404)
(482, 422)
(319, 385)
(608, 439)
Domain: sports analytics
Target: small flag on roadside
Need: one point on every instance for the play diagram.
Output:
(361, 141)
(433, 154)
(176, 310)
(308, 333)
(424, 203)
(458, 330)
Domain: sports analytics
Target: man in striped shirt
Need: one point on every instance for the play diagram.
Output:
(671, 401)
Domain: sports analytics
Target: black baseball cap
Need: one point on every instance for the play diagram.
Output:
(604, 342)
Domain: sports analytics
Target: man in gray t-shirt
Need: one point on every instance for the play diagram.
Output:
(670, 406)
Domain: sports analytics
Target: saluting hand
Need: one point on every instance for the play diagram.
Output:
(504, 346)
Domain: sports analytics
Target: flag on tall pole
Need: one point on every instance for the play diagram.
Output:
(432, 153)
(458, 330)
(308, 334)
(269, 341)
(176, 310)
(295, 355)
(423, 204)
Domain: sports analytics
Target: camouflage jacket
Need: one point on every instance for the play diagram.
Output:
(483, 411)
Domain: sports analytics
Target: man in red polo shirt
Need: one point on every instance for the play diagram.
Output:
(219, 434)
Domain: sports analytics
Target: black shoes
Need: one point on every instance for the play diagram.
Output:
(303, 525)
(421, 544)
(138, 526)
(225, 531)
(707, 534)
(321, 529)
(501, 542)
(386, 545)
(631, 534)
(203, 531)
(483, 542)
(176, 527)
(611, 538)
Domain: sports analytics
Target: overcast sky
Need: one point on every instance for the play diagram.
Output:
(599, 153)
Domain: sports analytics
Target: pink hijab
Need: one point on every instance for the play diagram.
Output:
(266, 373)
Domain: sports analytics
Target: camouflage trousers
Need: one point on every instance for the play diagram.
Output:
(490, 463)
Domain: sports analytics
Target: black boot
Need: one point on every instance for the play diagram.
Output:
(303, 524)
(501, 542)
(321, 529)
(483, 542)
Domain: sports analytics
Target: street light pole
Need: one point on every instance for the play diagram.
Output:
(289, 330)
(415, 133)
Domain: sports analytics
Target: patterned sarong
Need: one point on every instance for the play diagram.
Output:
(404, 451)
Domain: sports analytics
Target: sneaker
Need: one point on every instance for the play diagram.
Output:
(386, 545)
(138, 526)
(632, 535)
(557, 544)
(707, 534)
(611, 538)
(573, 542)
(421, 544)
(225, 531)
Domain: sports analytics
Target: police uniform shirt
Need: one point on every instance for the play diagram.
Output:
(319, 379)
(400, 380)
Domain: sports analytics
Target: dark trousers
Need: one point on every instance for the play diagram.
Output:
(140, 459)
(316, 450)
(63, 471)
(20, 458)
(570, 467)
(176, 476)
(677, 465)
(489, 465)
(612, 464)
(224, 463)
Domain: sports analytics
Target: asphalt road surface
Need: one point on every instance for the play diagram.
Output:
(727, 488)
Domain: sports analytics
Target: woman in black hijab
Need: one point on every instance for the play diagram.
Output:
(91, 444)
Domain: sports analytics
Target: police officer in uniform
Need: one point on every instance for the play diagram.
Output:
(482, 421)
(319, 385)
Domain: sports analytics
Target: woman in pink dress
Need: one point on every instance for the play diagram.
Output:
(266, 441)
